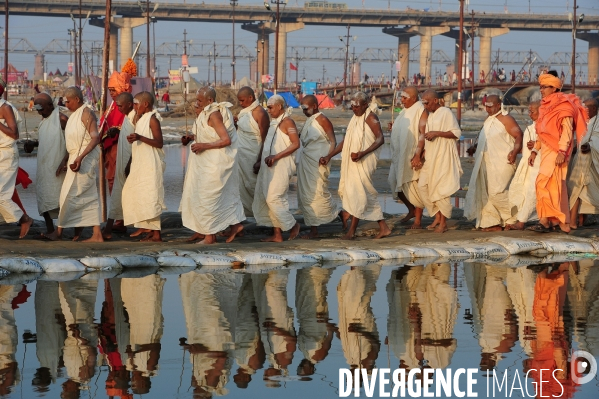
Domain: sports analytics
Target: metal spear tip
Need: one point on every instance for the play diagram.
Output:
(267, 6)
(156, 7)
(580, 18)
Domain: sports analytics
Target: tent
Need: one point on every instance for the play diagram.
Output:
(324, 101)
(291, 101)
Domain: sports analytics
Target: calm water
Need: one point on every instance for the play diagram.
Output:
(286, 332)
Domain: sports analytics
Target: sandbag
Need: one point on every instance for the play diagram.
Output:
(393, 254)
(360, 254)
(561, 258)
(481, 249)
(62, 276)
(450, 251)
(137, 261)
(213, 260)
(333, 256)
(61, 265)
(392, 262)
(20, 278)
(100, 263)
(362, 262)
(515, 261)
(176, 261)
(100, 274)
(21, 265)
(137, 272)
(562, 246)
(419, 252)
(423, 261)
(516, 245)
(176, 270)
(302, 258)
(4, 273)
(258, 258)
(213, 269)
(260, 269)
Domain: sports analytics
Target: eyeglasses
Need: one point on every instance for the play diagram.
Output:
(304, 106)
(546, 87)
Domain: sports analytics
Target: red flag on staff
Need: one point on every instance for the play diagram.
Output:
(292, 67)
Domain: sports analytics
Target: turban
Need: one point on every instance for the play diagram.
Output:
(120, 81)
(547, 79)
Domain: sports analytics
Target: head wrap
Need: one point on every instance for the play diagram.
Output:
(547, 79)
(121, 82)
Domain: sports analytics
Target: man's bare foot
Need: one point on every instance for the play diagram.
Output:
(492, 228)
(294, 231)
(312, 234)
(195, 237)
(565, 227)
(106, 236)
(139, 232)
(119, 228)
(384, 230)
(273, 238)
(94, 239)
(441, 228)
(416, 226)
(153, 236)
(515, 226)
(208, 239)
(26, 223)
(344, 218)
(432, 226)
(236, 230)
(409, 216)
(347, 236)
(54, 236)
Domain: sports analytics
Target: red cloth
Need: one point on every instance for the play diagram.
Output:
(554, 108)
(21, 298)
(114, 119)
(23, 178)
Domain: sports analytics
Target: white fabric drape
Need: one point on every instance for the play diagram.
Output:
(583, 179)
(123, 154)
(248, 149)
(9, 165)
(523, 190)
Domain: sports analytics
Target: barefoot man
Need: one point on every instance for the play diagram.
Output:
(499, 143)
(79, 202)
(440, 174)
(252, 126)
(407, 132)
(124, 103)
(52, 157)
(523, 195)
(313, 195)
(143, 193)
(560, 116)
(210, 201)
(9, 165)
(271, 205)
(359, 156)
(583, 182)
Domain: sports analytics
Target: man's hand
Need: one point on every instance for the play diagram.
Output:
(76, 165)
(197, 148)
(585, 148)
(257, 167)
(61, 168)
(270, 160)
(471, 150)
(530, 145)
(187, 139)
(235, 120)
(511, 157)
(560, 159)
(531, 159)
(356, 156)
(416, 162)
(113, 131)
(133, 137)
(324, 161)
(430, 136)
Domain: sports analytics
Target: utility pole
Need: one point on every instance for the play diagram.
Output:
(323, 72)
(5, 46)
(460, 62)
(214, 45)
(296, 67)
(345, 68)
(148, 68)
(233, 4)
(472, 43)
(79, 63)
(574, 21)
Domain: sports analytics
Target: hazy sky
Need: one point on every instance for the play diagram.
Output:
(41, 30)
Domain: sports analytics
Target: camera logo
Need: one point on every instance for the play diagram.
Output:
(583, 367)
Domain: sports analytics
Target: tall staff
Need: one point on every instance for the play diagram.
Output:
(105, 57)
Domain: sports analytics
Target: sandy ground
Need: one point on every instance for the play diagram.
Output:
(175, 235)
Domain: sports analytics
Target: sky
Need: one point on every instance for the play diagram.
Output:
(41, 30)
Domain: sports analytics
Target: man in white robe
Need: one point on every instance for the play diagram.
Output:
(583, 179)
(441, 171)
(9, 338)
(408, 131)
(52, 158)
(124, 103)
(271, 205)
(523, 190)
(313, 196)
(143, 193)
(79, 202)
(252, 125)
(499, 143)
(210, 202)
(360, 153)
(9, 165)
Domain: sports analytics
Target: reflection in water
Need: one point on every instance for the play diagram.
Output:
(110, 338)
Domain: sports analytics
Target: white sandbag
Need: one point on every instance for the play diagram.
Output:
(216, 253)
(362, 262)
(423, 261)
(176, 270)
(261, 269)
(333, 256)
(562, 246)
(137, 261)
(419, 252)
(302, 258)
(516, 245)
(516, 261)
(137, 272)
(213, 269)
(21, 265)
(331, 264)
(213, 260)
(393, 253)
(99, 274)
(450, 251)
(100, 263)
(561, 258)
(4, 273)
(360, 254)
(481, 249)
(62, 276)
(61, 265)
(20, 278)
(391, 262)
(176, 261)
(258, 258)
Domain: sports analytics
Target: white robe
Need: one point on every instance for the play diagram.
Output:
(50, 333)
(143, 193)
(123, 154)
(210, 202)
(583, 179)
(523, 190)
(356, 189)
(9, 165)
(271, 204)
(50, 153)
(79, 201)
(313, 195)
(487, 198)
(441, 171)
(247, 331)
(248, 149)
(9, 338)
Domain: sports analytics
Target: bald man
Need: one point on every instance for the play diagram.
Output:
(440, 174)
(252, 126)
(52, 157)
(522, 193)
(583, 179)
(499, 143)
(404, 172)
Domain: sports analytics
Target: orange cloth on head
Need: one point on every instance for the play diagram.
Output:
(121, 82)
(547, 79)
(554, 108)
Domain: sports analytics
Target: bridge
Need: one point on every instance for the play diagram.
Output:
(402, 24)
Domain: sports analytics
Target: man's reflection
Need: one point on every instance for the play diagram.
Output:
(9, 372)
(520, 284)
(583, 296)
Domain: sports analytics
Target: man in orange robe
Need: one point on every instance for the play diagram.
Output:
(560, 116)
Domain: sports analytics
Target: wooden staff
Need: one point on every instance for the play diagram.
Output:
(105, 60)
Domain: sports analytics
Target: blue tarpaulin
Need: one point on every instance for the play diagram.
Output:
(291, 101)
(309, 88)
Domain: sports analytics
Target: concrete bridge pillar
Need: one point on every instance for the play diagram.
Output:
(426, 45)
(125, 25)
(403, 49)
(284, 29)
(263, 30)
(114, 48)
(593, 56)
(485, 36)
